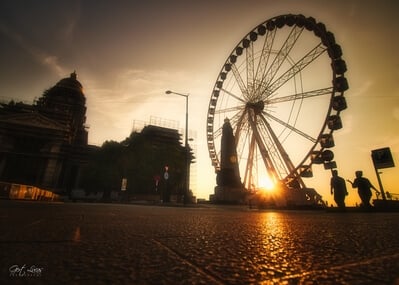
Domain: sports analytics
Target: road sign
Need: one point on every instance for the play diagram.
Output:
(382, 158)
(124, 184)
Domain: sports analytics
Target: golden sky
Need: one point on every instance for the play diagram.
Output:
(127, 53)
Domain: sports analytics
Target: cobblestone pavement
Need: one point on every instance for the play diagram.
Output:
(55, 243)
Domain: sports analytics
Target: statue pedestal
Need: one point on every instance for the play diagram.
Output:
(229, 195)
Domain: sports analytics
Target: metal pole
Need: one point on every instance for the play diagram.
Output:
(187, 158)
(187, 176)
(380, 183)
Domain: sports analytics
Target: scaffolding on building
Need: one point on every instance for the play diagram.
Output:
(139, 125)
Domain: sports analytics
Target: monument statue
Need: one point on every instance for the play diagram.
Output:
(229, 188)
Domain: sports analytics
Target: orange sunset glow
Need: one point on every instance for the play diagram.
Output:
(127, 59)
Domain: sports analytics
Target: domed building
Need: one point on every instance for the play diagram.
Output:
(65, 103)
(45, 144)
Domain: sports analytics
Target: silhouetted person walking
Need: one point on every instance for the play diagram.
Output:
(364, 187)
(338, 188)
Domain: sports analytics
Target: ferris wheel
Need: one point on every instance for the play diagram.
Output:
(282, 90)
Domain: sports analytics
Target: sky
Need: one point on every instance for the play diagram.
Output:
(128, 53)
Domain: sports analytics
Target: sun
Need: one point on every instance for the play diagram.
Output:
(266, 183)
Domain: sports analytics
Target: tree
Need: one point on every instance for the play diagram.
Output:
(103, 170)
(139, 158)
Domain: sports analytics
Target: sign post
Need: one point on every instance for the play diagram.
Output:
(166, 177)
(124, 194)
(382, 158)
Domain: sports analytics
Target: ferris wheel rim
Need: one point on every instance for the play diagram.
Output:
(339, 83)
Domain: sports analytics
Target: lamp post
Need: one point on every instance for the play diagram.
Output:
(187, 177)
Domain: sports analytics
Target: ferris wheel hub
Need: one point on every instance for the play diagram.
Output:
(257, 107)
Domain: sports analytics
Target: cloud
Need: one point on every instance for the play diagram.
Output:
(51, 62)
(48, 60)
(71, 24)
(131, 95)
(363, 89)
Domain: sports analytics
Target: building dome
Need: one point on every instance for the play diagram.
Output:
(71, 83)
(66, 104)
(65, 96)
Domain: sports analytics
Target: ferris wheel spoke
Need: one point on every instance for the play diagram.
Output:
(262, 148)
(290, 127)
(263, 60)
(276, 157)
(217, 133)
(239, 126)
(281, 56)
(250, 70)
(228, 110)
(297, 67)
(233, 121)
(239, 81)
(299, 96)
(249, 165)
(286, 165)
(233, 95)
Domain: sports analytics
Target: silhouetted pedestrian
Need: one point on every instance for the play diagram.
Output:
(338, 188)
(364, 187)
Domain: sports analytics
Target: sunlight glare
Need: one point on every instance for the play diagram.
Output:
(266, 183)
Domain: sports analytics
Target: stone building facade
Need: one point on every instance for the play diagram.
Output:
(45, 144)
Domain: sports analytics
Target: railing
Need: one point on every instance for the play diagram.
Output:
(25, 192)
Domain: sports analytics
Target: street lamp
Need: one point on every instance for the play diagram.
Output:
(187, 178)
